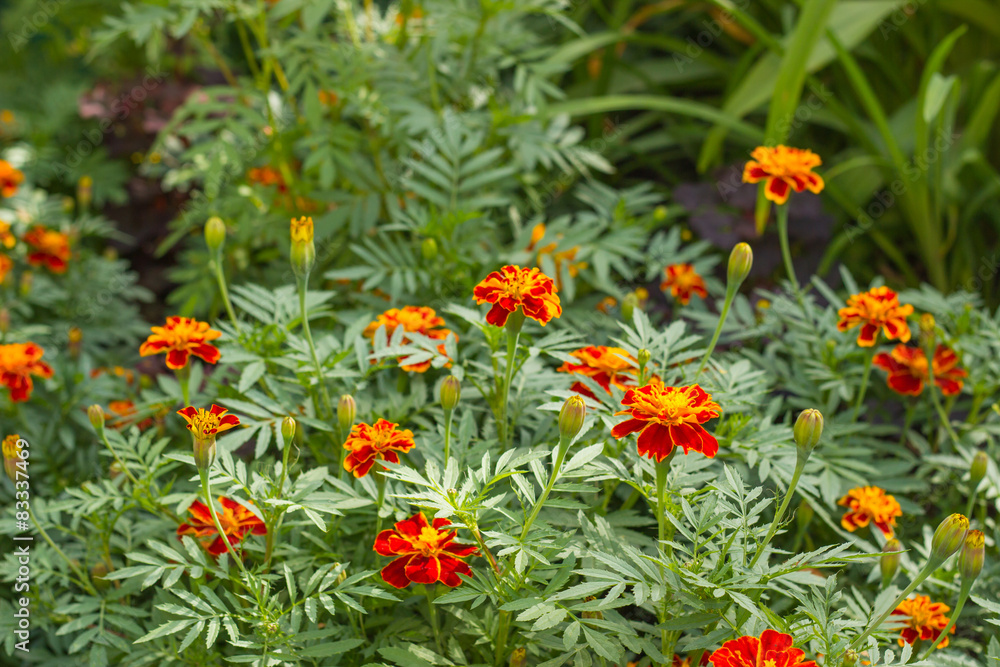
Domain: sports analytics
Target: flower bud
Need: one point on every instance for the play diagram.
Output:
(889, 563)
(303, 249)
(204, 452)
(977, 471)
(11, 455)
(740, 261)
(972, 555)
(96, 415)
(84, 192)
(429, 249)
(75, 337)
(571, 417)
(597, 615)
(451, 391)
(97, 574)
(850, 658)
(519, 657)
(215, 233)
(629, 304)
(807, 431)
(949, 536)
(287, 429)
(660, 213)
(643, 357)
(115, 470)
(27, 280)
(347, 409)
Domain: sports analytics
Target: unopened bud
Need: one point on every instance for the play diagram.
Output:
(429, 249)
(27, 280)
(977, 471)
(303, 253)
(11, 455)
(972, 556)
(97, 576)
(889, 563)
(629, 304)
(740, 261)
(643, 357)
(807, 431)
(571, 417)
(84, 192)
(949, 536)
(519, 657)
(660, 213)
(288, 429)
(850, 658)
(75, 338)
(597, 615)
(215, 233)
(451, 391)
(96, 415)
(927, 326)
(204, 452)
(115, 470)
(347, 409)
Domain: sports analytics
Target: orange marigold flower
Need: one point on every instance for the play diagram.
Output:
(181, 337)
(48, 248)
(908, 371)
(6, 264)
(236, 520)
(119, 371)
(426, 553)
(267, 176)
(7, 239)
(206, 424)
(301, 229)
(558, 258)
(683, 281)
(511, 288)
(877, 309)
(870, 504)
(368, 444)
(667, 417)
(926, 620)
(606, 365)
(606, 304)
(771, 649)
(123, 414)
(413, 319)
(784, 169)
(10, 179)
(18, 362)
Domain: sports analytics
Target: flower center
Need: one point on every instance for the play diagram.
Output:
(204, 424)
(920, 367)
(428, 541)
(674, 408)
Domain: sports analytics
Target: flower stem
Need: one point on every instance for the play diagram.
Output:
(963, 595)
(448, 414)
(800, 465)
(107, 443)
(216, 265)
(560, 455)
(664, 533)
(184, 379)
(84, 581)
(312, 349)
(207, 487)
(730, 295)
(503, 631)
(380, 483)
(864, 380)
(786, 253)
(514, 324)
(924, 573)
(429, 590)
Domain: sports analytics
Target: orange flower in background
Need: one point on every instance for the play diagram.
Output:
(48, 248)
(237, 521)
(426, 553)
(119, 371)
(181, 337)
(123, 413)
(683, 281)
(368, 444)
(870, 504)
(784, 169)
(558, 258)
(413, 319)
(926, 620)
(606, 304)
(18, 362)
(6, 264)
(668, 417)
(7, 239)
(908, 371)
(877, 309)
(771, 649)
(206, 424)
(511, 288)
(606, 365)
(10, 179)
(687, 662)
(267, 176)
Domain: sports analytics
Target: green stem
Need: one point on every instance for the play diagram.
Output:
(429, 590)
(908, 421)
(207, 487)
(786, 252)
(514, 324)
(556, 467)
(84, 581)
(864, 380)
(730, 295)
(503, 631)
(800, 465)
(216, 265)
(312, 349)
(945, 421)
(184, 379)
(447, 435)
(931, 565)
(380, 484)
(963, 595)
(128, 473)
(664, 533)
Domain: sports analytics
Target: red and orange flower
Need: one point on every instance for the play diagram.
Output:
(123, 413)
(10, 179)
(771, 649)
(606, 365)
(426, 553)
(926, 620)
(18, 362)
(870, 504)
(683, 282)
(668, 417)
(206, 424)
(368, 444)
(511, 288)
(181, 337)
(48, 248)
(236, 520)
(267, 176)
(876, 310)
(563, 257)
(783, 169)
(908, 370)
(7, 238)
(413, 319)
(6, 264)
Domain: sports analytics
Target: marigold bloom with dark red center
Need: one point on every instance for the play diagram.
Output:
(511, 288)
(10, 179)
(206, 424)
(606, 365)
(7, 238)
(877, 309)
(123, 413)
(668, 417)
(236, 520)
(771, 649)
(421, 320)
(181, 337)
(908, 371)
(18, 362)
(48, 248)
(368, 444)
(870, 504)
(426, 553)
(6, 264)
(683, 282)
(926, 620)
(784, 169)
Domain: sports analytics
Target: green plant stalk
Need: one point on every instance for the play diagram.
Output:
(503, 632)
(865, 378)
(184, 378)
(561, 450)
(429, 591)
(664, 533)
(221, 279)
(973, 495)
(107, 443)
(931, 565)
(963, 595)
(945, 422)
(513, 330)
(84, 580)
(272, 530)
(800, 464)
(448, 414)
(206, 486)
(786, 252)
(730, 295)
(312, 349)
(380, 484)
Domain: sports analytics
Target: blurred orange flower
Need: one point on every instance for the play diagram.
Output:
(18, 362)
(908, 371)
(267, 176)
(6, 264)
(877, 309)
(10, 179)
(668, 417)
(236, 521)
(511, 288)
(415, 319)
(870, 504)
(606, 365)
(368, 444)
(926, 620)
(426, 553)
(560, 258)
(181, 337)
(784, 169)
(770, 650)
(7, 239)
(48, 248)
(683, 281)
(123, 413)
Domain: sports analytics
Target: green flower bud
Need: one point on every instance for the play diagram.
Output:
(949, 536)
(303, 253)
(850, 659)
(347, 410)
(889, 563)
(204, 451)
(660, 213)
(740, 261)
(288, 429)
(571, 417)
(643, 357)
(807, 431)
(97, 576)
(215, 233)
(977, 471)
(519, 657)
(429, 249)
(972, 555)
(96, 415)
(629, 304)
(451, 391)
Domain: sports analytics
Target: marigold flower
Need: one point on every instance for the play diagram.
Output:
(908, 371)
(7, 238)
(205, 425)
(368, 444)
(10, 179)
(426, 553)
(413, 319)
(11, 455)
(48, 248)
(124, 414)
(683, 281)
(6, 264)
(606, 365)
(926, 620)
(784, 169)
(606, 304)
(511, 288)
(301, 229)
(267, 176)
(870, 504)
(18, 362)
(876, 309)
(667, 417)
(566, 257)
(771, 649)
(236, 520)
(181, 337)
